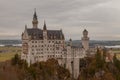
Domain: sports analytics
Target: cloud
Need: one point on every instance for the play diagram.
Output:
(100, 17)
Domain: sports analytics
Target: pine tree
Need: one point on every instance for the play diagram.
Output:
(99, 60)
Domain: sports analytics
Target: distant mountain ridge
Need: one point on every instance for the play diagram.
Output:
(75, 42)
(97, 42)
(10, 42)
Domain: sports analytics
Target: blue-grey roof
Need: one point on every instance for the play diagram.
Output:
(51, 34)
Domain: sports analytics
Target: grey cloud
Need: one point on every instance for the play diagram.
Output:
(95, 15)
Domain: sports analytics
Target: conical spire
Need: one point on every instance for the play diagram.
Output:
(35, 21)
(70, 39)
(44, 27)
(25, 26)
(85, 30)
(85, 33)
(35, 15)
(70, 42)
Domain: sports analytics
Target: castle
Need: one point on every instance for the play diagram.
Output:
(42, 44)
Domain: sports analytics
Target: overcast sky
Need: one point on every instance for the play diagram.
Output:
(100, 17)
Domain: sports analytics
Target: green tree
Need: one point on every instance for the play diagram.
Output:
(15, 60)
(116, 62)
(91, 70)
(118, 77)
(99, 60)
(32, 72)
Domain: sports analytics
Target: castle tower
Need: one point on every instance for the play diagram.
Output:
(45, 40)
(35, 21)
(85, 40)
(44, 31)
(44, 27)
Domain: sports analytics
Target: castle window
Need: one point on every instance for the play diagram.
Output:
(32, 41)
(35, 41)
(57, 48)
(56, 42)
(59, 41)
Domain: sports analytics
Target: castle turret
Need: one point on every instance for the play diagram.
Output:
(85, 40)
(25, 27)
(35, 20)
(70, 42)
(44, 27)
(44, 31)
(45, 40)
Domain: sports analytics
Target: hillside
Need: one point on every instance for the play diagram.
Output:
(97, 69)
(91, 68)
(17, 70)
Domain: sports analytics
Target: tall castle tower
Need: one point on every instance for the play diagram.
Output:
(85, 40)
(35, 20)
(45, 40)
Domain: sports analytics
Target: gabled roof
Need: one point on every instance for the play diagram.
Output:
(55, 34)
(37, 34)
